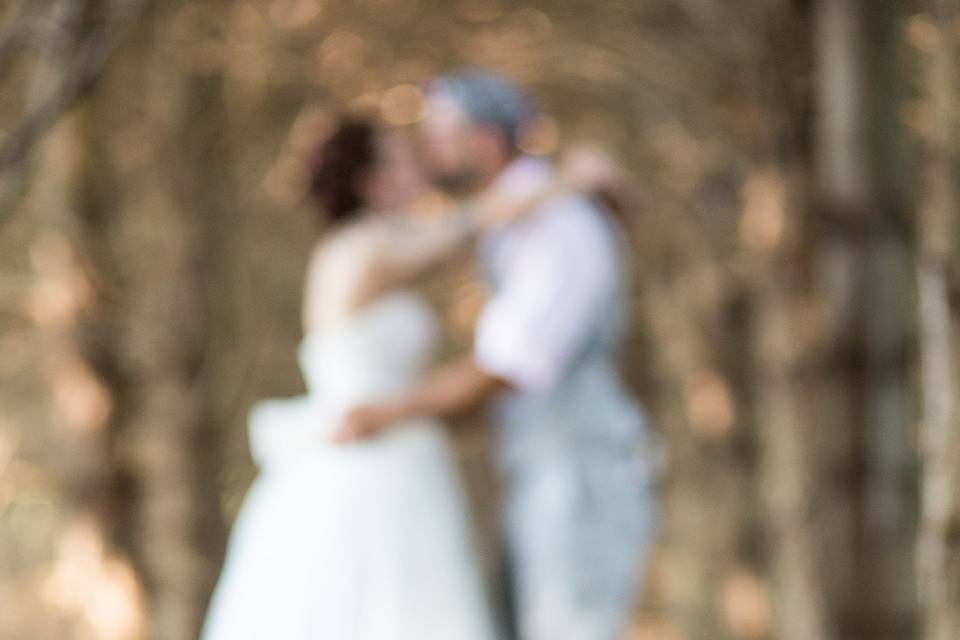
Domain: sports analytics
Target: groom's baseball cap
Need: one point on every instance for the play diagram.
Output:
(487, 99)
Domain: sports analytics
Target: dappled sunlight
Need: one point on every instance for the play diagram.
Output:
(82, 400)
(102, 589)
(710, 406)
(785, 177)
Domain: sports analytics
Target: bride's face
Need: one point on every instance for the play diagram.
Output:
(396, 180)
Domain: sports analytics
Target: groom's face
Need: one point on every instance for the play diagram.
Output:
(448, 142)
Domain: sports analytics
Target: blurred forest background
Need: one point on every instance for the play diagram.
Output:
(797, 301)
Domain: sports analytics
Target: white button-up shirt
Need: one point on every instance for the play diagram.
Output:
(555, 271)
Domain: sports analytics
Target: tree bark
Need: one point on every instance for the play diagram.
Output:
(171, 226)
(938, 544)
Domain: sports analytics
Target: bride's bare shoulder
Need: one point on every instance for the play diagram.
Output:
(338, 268)
(357, 239)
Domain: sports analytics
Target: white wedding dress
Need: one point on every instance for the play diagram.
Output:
(366, 541)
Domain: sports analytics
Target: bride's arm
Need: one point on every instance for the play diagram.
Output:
(593, 169)
(404, 254)
(410, 252)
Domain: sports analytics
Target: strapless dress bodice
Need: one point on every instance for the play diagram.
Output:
(382, 348)
(375, 354)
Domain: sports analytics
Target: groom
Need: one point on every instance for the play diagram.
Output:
(577, 508)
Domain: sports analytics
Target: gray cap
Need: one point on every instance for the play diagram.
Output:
(488, 99)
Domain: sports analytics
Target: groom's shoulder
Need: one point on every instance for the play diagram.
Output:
(576, 215)
(564, 214)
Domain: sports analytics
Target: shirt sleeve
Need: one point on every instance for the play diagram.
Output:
(552, 290)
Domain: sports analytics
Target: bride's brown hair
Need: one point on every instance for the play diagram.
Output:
(339, 166)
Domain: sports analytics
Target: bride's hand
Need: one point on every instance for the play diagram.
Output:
(492, 209)
(590, 169)
(365, 422)
(584, 168)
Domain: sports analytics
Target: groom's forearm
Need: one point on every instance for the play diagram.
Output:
(451, 390)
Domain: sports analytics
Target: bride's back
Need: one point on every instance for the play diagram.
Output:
(360, 339)
(338, 274)
(365, 333)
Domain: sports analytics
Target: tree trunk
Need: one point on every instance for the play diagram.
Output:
(90, 385)
(172, 219)
(938, 545)
(861, 263)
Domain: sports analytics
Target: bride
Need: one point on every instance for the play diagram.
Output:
(367, 541)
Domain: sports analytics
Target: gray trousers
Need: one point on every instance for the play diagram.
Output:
(578, 528)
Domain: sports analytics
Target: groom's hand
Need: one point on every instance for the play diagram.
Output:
(365, 422)
(454, 388)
